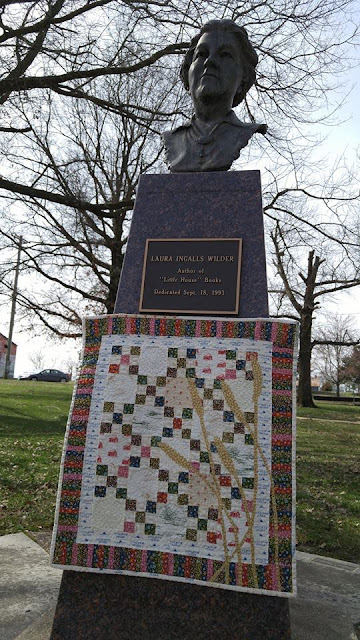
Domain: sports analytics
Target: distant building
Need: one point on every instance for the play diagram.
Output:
(3, 351)
(315, 384)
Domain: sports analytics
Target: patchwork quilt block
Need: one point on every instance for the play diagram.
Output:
(179, 453)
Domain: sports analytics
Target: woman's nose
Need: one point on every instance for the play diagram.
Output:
(210, 59)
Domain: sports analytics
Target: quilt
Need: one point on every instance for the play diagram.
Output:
(178, 460)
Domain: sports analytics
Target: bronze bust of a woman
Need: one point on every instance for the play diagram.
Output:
(218, 71)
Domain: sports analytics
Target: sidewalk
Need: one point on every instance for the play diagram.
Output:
(327, 606)
(28, 586)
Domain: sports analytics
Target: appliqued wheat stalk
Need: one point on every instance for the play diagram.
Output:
(228, 463)
(182, 462)
(199, 408)
(229, 397)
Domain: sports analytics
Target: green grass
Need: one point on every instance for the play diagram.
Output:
(33, 408)
(33, 417)
(32, 423)
(328, 489)
(331, 411)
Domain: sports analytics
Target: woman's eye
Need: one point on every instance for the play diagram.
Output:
(226, 54)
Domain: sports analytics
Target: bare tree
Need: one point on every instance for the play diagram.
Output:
(58, 45)
(332, 344)
(63, 46)
(94, 157)
(303, 287)
(86, 87)
(37, 359)
(71, 364)
(351, 367)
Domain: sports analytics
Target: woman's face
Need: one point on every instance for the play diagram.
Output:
(216, 69)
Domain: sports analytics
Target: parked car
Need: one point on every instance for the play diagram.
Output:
(49, 375)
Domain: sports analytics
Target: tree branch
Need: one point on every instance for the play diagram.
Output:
(99, 209)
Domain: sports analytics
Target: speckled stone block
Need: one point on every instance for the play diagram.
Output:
(109, 607)
(199, 205)
(105, 607)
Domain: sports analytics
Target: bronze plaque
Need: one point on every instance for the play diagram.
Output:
(191, 275)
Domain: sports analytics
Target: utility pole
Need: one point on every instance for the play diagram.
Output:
(12, 316)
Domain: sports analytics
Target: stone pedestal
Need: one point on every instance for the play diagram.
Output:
(115, 607)
(105, 607)
(199, 205)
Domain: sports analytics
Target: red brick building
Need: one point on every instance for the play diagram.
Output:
(3, 350)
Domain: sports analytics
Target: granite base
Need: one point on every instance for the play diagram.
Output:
(105, 607)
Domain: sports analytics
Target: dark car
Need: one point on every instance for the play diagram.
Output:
(49, 375)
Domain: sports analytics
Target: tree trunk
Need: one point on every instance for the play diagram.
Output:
(305, 398)
(115, 271)
(117, 258)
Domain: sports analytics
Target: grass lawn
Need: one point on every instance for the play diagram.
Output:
(328, 480)
(328, 488)
(32, 423)
(331, 411)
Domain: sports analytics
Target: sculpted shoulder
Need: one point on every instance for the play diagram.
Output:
(169, 133)
(189, 148)
(251, 127)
